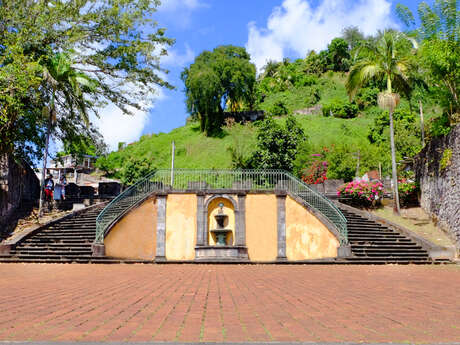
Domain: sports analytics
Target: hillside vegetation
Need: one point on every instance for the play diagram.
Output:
(353, 96)
(195, 150)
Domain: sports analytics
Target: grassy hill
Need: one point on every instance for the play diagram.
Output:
(194, 150)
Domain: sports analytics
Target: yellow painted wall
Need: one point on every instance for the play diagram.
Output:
(306, 236)
(134, 236)
(229, 223)
(261, 232)
(181, 226)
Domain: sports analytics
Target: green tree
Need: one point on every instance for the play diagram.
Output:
(353, 36)
(407, 133)
(65, 88)
(388, 59)
(277, 145)
(314, 64)
(114, 42)
(338, 55)
(214, 79)
(439, 54)
(134, 169)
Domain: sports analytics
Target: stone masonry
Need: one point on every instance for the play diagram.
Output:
(437, 169)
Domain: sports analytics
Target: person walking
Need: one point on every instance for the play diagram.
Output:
(49, 188)
(63, 183)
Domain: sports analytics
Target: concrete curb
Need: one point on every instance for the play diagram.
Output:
(434, 251)
(6, 246)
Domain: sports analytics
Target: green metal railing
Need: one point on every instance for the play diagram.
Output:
(251, 180)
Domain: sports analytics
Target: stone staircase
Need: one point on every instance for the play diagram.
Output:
(374, 243)
(66, 241)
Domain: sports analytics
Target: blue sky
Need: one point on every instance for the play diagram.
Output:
(269, 29)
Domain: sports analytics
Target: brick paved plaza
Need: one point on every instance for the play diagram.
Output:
(229, 303)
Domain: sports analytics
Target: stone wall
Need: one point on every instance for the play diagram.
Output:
(18, 186)
(437, 169)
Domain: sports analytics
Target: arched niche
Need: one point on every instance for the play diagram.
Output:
(210, 208)
(229, 222)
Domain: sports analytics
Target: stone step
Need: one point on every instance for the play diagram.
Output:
(67, 233)
(54, 245)
(377, 237)
(388, 246)
(372, 231)
(389, 254)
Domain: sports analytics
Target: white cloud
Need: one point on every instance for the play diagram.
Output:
(297, 27)
(115, 126)
(177, 59)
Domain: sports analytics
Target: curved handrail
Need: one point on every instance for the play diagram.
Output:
(187, 179)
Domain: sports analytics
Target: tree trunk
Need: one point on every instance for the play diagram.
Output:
(422, 125)
(45, 158)
(396, 208)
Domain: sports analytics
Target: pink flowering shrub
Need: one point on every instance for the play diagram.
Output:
(361, 193)
(408, 193)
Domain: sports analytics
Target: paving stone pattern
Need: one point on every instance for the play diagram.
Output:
(229, 303)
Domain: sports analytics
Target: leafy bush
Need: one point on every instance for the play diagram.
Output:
(340, 108)
(361, 193)
(407, 132)
(440, 126)
(316, 173)
(278, 109)
(305, 80)
(277, 145)
(342, 163)
(366, 97)
(134, 169)
(408, 193)
(446, 159)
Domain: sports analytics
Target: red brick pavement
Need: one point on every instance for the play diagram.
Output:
(229, 303)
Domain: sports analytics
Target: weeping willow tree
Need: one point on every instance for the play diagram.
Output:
(222, 78)
(390, 59)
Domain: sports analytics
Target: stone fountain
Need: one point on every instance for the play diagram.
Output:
(221, 233)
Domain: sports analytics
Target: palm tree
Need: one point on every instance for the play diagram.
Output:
(66, 88)
(387, 59)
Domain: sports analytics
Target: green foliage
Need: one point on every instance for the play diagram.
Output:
(366, 97)
(82, 43)
(242, 147)
(283, 103)
(407, 132)
(340, 108)
(446, 159)
(338, 55)
(388, 59)
(342, 163)
(314, 64)
(353, 36)
(316, 173)
(278, 108)
(440, 126)
(442, 59)
(405, 15)
(439, 55)
(134, 169)
(408, 193)
(277, 145)
(223, 76)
